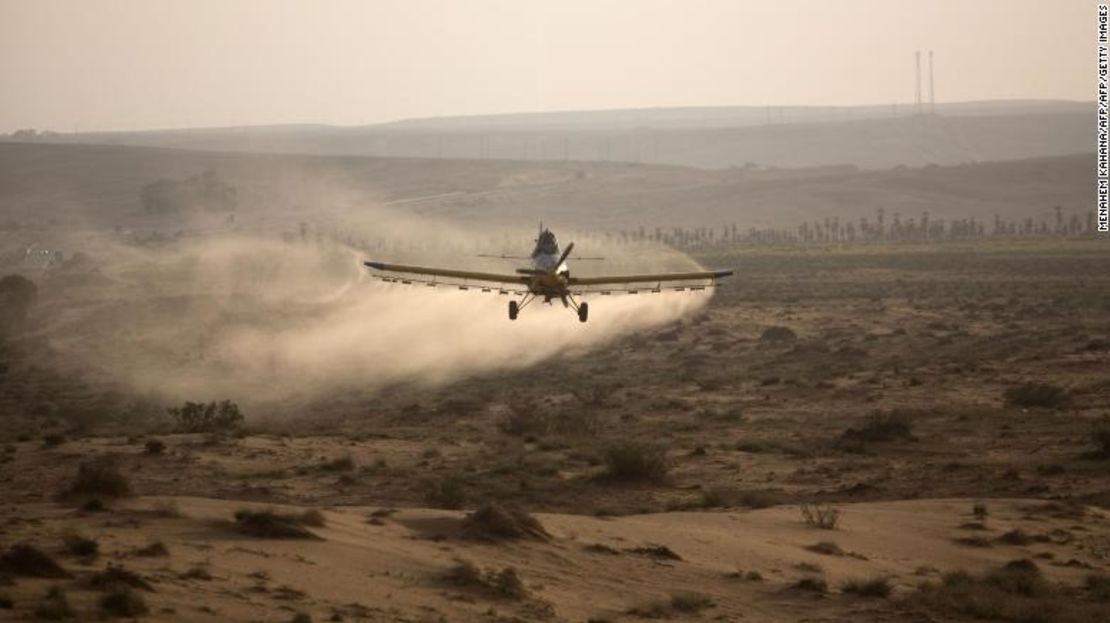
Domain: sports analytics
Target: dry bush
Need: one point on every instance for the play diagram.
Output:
(214, 417)
(778, 334)
(823, 516)
(811, 585)
(1032, 394)
(154, 549)
(880, 426)
(27, 560)
(493, 521)
(154, 447)
(1014, 592)
(54, 606)
(77, 545)
(99, 478)
(525, 420)
(1100, 436)
(269, 524)
(875, 587)
(447, 493)
(123, 602)
(632, 461)
(688, 603)
(343, 463)
(828, 548)
(116, 576)
(505, 583)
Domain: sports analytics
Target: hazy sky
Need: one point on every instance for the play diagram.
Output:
(136, 64)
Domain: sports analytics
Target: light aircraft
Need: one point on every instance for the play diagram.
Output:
(549, 278)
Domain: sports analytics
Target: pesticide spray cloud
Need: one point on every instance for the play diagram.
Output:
(257, 320)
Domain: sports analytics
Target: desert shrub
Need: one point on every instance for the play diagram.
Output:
(636, 462)
(827, 548)
(974, 541)
(53, 440)
(1016, 536)
(756, 498)
(524, 419)
(812, 585)
(717, 497)
(1032, 394)
(493, 521)
(823, 516)
(880, 426)
(313, 518)
(1101, 438)
(447, 493)
(268, 524)
(123, 602)
(153, 549)
(27, 560)
(339, 464)
(100, 478)
(687, 602)
(505, 583)
(875, 587)
(658, 552)
(155, 447)
(979, 510)
(6, 603)
(77, 545)
(778, 334)
(54, 606)
(212, 417)
(1098, 585)
(116, 576)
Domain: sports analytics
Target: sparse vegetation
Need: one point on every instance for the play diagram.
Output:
(269, 524)
(447, 493)
(343, 463)
(505, 583)
(123, 601)
(880, 426)
(494, 521)
(875, 587)
(77, 545)
(636, 462)
(221, 417)
(1033, 394)
(100, 478)
(778, 334)
(828, 548)
(154, 447)
(1015, 592)
(27, 560)
(54, 606)
(811, 585)
(823, 516)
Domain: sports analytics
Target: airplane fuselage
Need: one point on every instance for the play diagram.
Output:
(546, 282)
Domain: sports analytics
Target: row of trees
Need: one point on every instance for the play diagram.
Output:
(828, 230)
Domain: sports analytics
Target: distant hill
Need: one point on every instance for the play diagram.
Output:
(872, 137)
(99, 186)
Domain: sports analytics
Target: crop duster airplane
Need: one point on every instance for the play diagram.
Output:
(550, 278)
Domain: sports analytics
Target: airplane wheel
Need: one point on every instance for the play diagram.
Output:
(514, 309)
(583, 312)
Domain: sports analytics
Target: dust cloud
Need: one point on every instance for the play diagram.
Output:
(257, 320)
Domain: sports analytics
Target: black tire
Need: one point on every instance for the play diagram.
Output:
(514, 309)
(583, 312)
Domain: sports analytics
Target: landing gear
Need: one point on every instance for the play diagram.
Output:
(514, 309)
(583, 311)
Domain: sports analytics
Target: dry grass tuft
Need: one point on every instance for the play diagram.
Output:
(494, 521)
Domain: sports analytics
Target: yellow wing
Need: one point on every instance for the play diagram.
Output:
(448, 272)
(655, 278)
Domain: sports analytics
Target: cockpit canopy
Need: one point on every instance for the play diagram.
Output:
(546, 244)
